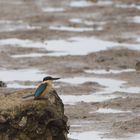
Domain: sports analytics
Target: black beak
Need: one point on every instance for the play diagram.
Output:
(49, 78)
(55, 78)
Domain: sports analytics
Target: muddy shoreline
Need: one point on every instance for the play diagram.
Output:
(100, 89)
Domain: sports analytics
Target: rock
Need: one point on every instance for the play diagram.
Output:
(2, 84)
(31, 119)
(100, 59)
(137, 66)
(94, 0)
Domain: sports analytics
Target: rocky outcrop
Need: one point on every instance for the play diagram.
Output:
(41, 119)
(2, 84)
(137, 66)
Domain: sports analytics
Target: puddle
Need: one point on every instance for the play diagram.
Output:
(71, 29)
(72, 46)
(109, 110)
(77, 46)
(94, 135)
(66, 47)
(73, 99)
(50, 6)
(76, 125)
(29, 55)
(80, 3)
(7, 26)
(89, 135)
(17, 85)
(127, 6)
(111, 85)
(86, 3)
(81, 122)
(96, 26)
(22, 43)
(136, 19)
(87, 22)
(138, 39)
(130, 89)
(76, 20)
(52, 9)
(102, 71)
(135, 137)
(104, 2)
(21, 75)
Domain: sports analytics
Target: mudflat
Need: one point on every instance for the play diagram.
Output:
(92, 45)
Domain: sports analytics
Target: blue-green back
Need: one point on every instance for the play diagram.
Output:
(40, 89)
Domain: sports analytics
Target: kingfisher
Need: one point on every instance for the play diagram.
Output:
(44, 88)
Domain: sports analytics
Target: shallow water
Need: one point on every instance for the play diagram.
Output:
(111, 85)
(88, 135)
(87, 22)
(72, 46)
(103, 71)
(136, 19)
(71, 29)
(127, 6)
(95, 97)
(86, 3)
(9, 26)
(22, 43)
(17, 85)
(130, 89)
(21, 75)
(29, 55)
(76, 20)
(109, 110)
(138, 39)
(104, 2)
(53, 9)
(95, 135)
(14, 76)
(80, 3)
(77, 46)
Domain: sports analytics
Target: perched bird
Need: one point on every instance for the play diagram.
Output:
(44, 88)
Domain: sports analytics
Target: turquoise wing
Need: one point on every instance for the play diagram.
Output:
(40, 89)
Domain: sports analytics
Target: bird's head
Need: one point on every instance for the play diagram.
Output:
(49, 78)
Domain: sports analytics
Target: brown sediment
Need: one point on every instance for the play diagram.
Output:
(118, 27)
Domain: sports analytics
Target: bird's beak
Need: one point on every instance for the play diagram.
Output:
(55, 78)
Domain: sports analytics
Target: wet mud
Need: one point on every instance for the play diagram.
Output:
(93, 46)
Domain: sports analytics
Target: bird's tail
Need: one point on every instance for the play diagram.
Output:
(24, 97)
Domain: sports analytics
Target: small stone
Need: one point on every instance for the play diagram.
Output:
(23, 122)
(2, 119)
(137, 66)
(2, 84)
(100, 59)
(40, 130)
(84, 117)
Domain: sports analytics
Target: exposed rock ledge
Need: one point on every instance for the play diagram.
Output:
(31, 119)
